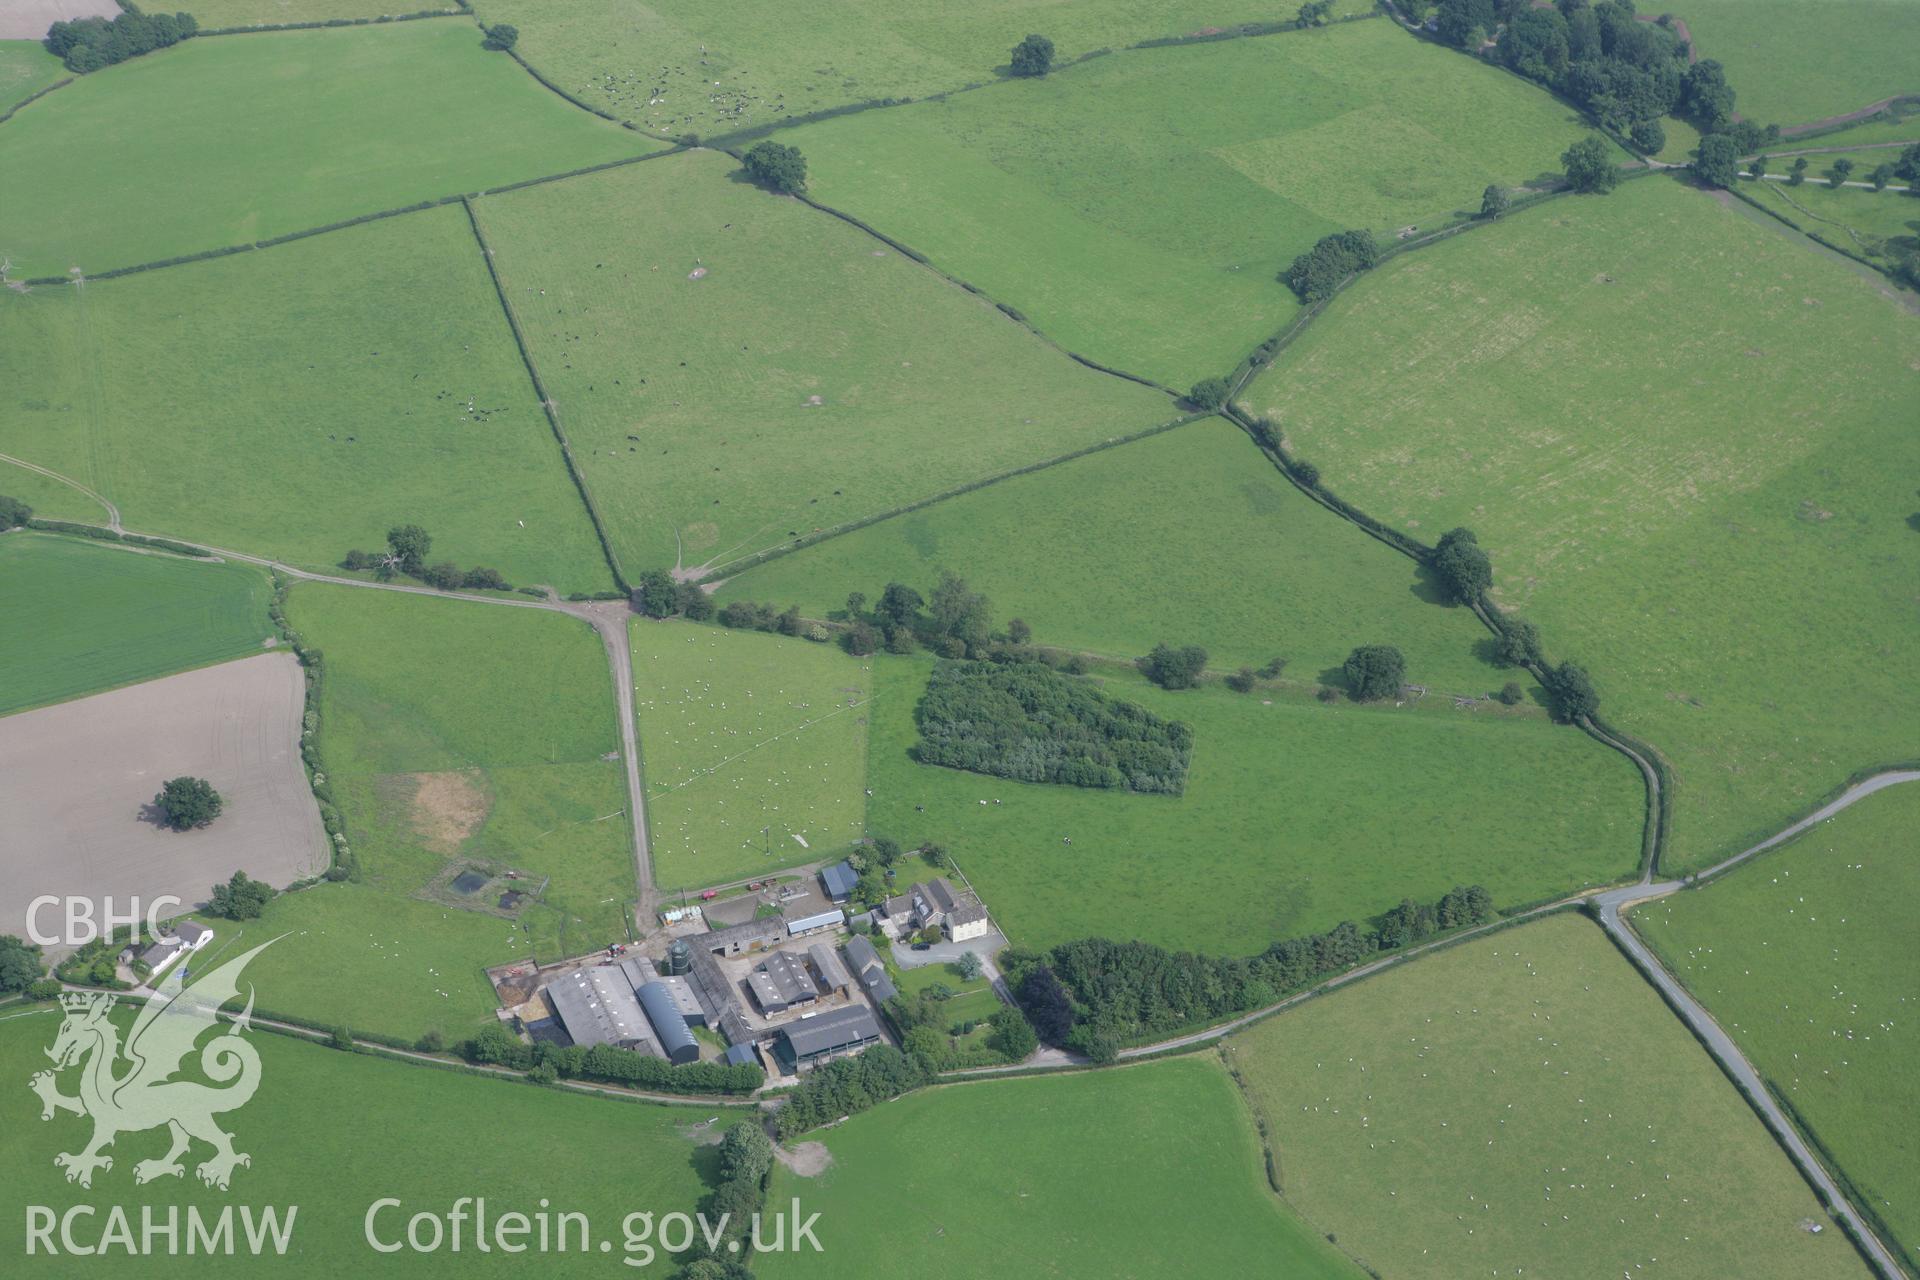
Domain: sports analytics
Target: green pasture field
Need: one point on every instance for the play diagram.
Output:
(454, 734)
(387, 116)
(1490, 1110)
(1900, 129)
(1296, 816)
(50, 499)
(1882, 226)
(1795, 63)
(1201, 540)
(1806, 957)
(809, 377)
(300, 401)
(1153, 1170)
(753, 743)
(214, 14)
(1698, 490)
(366, 957)
(679, 66)
(331, 1133)
(1144, 222)
(25, 69)
(88, 618)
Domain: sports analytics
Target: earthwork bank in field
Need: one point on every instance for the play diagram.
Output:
(456, 737)
(105, 617)
(684, 66)
(1684, 439)
(300, 401)
(334, 1132)
(736, 370)
(1058, 1173)
(175, 168)
(1489, 1109)
(755, 750)
(1296, 816)
(1806, 957)
(1200, 540)
(1143, 223)
(77, 783)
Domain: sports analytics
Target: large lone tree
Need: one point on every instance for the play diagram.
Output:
(1374, 671)
(777, 167)
(186, 803)
(1589, 165)
(1033, 56)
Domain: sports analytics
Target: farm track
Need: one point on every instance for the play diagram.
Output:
(113, 512)
(1612, 905)
(607, 618)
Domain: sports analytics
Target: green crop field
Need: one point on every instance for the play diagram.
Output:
(214, 14)
(25, 69)
(1806, 958)
(1214, 547)
(1793, 63)
(1150, 1171)
(123, 617)
(387, 116)
(1699, 490)
(1143, 223)
(755, 750)
(1526, 1105)
(300, 401)
(331, 1133)
(747, 370)
(1296, 816)
(679, 66)
(454, 735)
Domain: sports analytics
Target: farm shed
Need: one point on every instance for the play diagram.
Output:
(751, 936)
(781, 982)
(839, 880)
(827, 969)
(669, 1027)
(803, 1043)
(814, 923)
(598, 1006)
(868, 968)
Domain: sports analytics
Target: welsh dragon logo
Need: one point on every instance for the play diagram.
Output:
(131, 1088)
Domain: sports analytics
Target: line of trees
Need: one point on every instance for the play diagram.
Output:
(406, 553)
(494, 1045)
(848, 1086)
(1028, 722)
(954, 621)
(88, 44)
(1095, 995)
(13, 513)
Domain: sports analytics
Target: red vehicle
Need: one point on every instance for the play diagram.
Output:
(709, 895)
